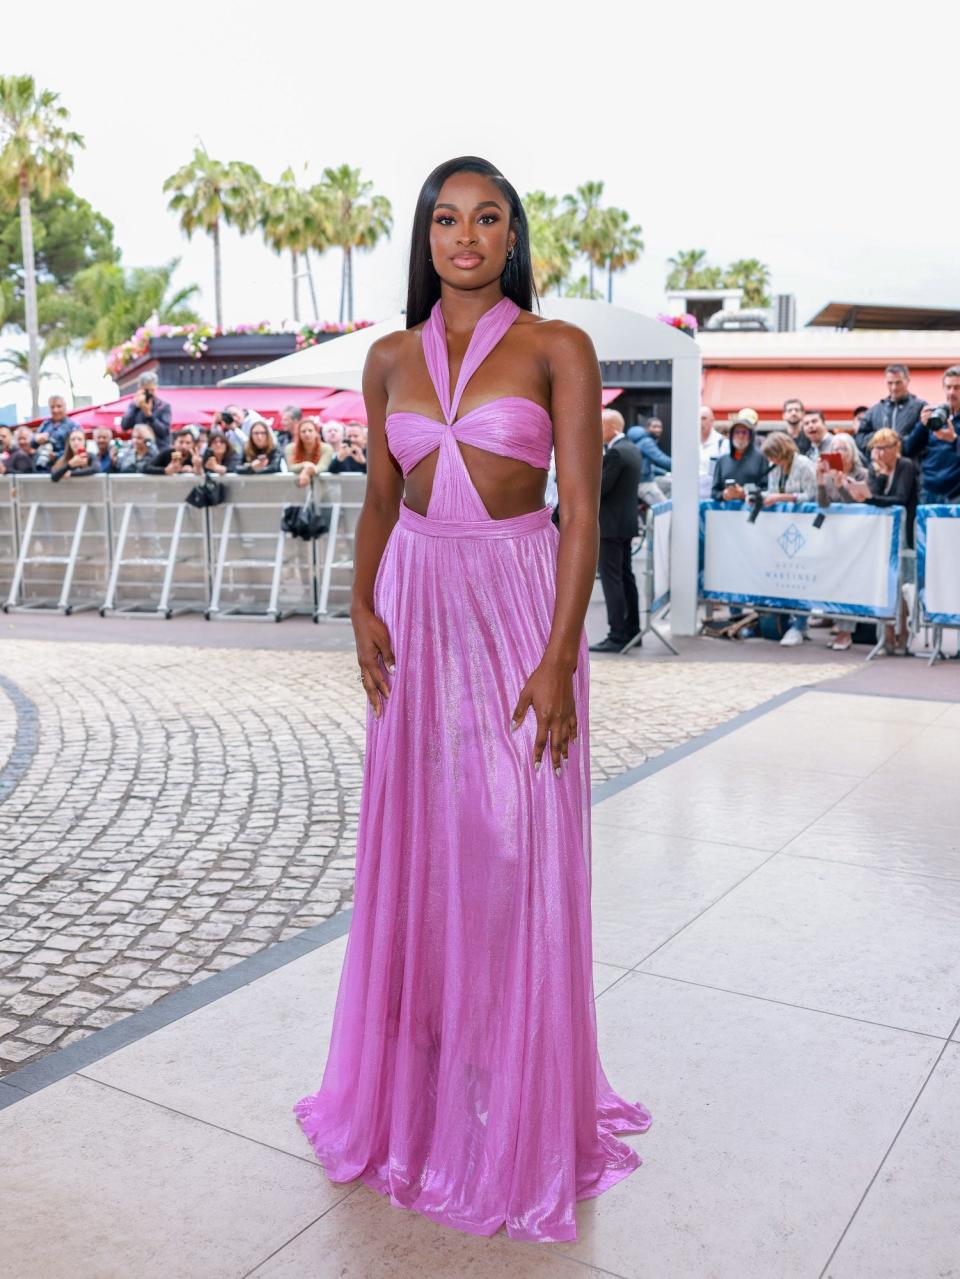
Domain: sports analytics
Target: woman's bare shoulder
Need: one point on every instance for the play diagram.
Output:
(392, 349)
(558, 339)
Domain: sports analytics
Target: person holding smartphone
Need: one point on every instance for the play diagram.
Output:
(835, 469)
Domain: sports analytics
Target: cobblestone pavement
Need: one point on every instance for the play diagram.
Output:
(167, 810)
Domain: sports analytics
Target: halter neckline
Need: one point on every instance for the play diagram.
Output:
(487, 332)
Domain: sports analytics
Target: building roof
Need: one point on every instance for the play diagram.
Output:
(872, 315)
(831, 348)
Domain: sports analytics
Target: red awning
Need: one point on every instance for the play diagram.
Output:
(344, 406)
(197, 405)
(837, 392)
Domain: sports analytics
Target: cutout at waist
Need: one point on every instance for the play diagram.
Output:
(512, 526)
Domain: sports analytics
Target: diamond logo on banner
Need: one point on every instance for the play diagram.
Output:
(791, 541)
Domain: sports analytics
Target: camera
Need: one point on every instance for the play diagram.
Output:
(226, 419)
(754, 499)
(939, 417)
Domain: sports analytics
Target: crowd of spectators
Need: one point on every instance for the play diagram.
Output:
(901, 451)
(238, 441)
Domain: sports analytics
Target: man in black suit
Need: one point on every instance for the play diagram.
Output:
(619, 525)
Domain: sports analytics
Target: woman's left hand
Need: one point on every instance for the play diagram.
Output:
(549, 690)
(857, 489)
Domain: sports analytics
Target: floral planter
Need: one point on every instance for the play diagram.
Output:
(199, 356)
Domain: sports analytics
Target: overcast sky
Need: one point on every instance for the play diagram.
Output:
(820, 138)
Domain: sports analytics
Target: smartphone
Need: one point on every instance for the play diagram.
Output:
(833, 460)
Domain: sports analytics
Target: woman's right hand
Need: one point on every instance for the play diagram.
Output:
(373, 644)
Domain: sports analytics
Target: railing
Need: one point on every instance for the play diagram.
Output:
(131, 546)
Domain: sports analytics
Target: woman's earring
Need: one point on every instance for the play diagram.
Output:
(510, 253)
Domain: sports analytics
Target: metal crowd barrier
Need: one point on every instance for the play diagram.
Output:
(653, 554)
(9, 535)
(259, 570)
(64, 550)
(343, 494)
(160, 548)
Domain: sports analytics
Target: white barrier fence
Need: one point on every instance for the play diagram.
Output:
(653, 572)
(842, 561)
(938, 570)
(130, 545)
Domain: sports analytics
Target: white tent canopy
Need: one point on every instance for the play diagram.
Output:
(617, 334)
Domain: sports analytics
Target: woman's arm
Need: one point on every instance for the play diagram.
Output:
(575, 387)
(378, 515)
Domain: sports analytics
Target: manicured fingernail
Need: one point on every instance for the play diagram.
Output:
(513, 725)
(392, 668)
(558, 770)
(536, 765)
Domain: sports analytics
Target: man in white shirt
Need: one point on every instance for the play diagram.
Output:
(712, 446)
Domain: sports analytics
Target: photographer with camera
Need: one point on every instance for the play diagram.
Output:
(55, 428)
(146, 406)
(352, 453)
(935, 443)
(743, 466)
(182, 458)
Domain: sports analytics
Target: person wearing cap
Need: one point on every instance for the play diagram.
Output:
(743, 465)
(146, 406)
(182, 458)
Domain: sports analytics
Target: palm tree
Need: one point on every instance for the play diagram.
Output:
(625, 245)
(291, 221)
(686, 268)
(753, 277)
(352, 219)
(551, 240)
(19, 362)
(579, 288)
(591, 228)
(36, 155)
(113, 302)
(206, 193)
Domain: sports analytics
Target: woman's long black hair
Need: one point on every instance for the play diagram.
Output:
(423, 282)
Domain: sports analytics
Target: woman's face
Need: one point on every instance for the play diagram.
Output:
(258, 436)
(78, 442)
(308, 434)
(470, 231)
(219, 446)
(884, 457)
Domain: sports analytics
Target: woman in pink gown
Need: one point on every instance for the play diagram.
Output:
(463, 1079)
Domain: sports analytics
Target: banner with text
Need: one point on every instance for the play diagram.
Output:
(848, 566)
(938, 563)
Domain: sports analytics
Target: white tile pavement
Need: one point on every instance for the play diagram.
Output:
(782, 1007)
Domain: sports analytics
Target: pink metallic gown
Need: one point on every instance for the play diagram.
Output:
(463, 1079)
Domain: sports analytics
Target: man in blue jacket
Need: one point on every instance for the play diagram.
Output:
(654, 462)
(938, 451)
